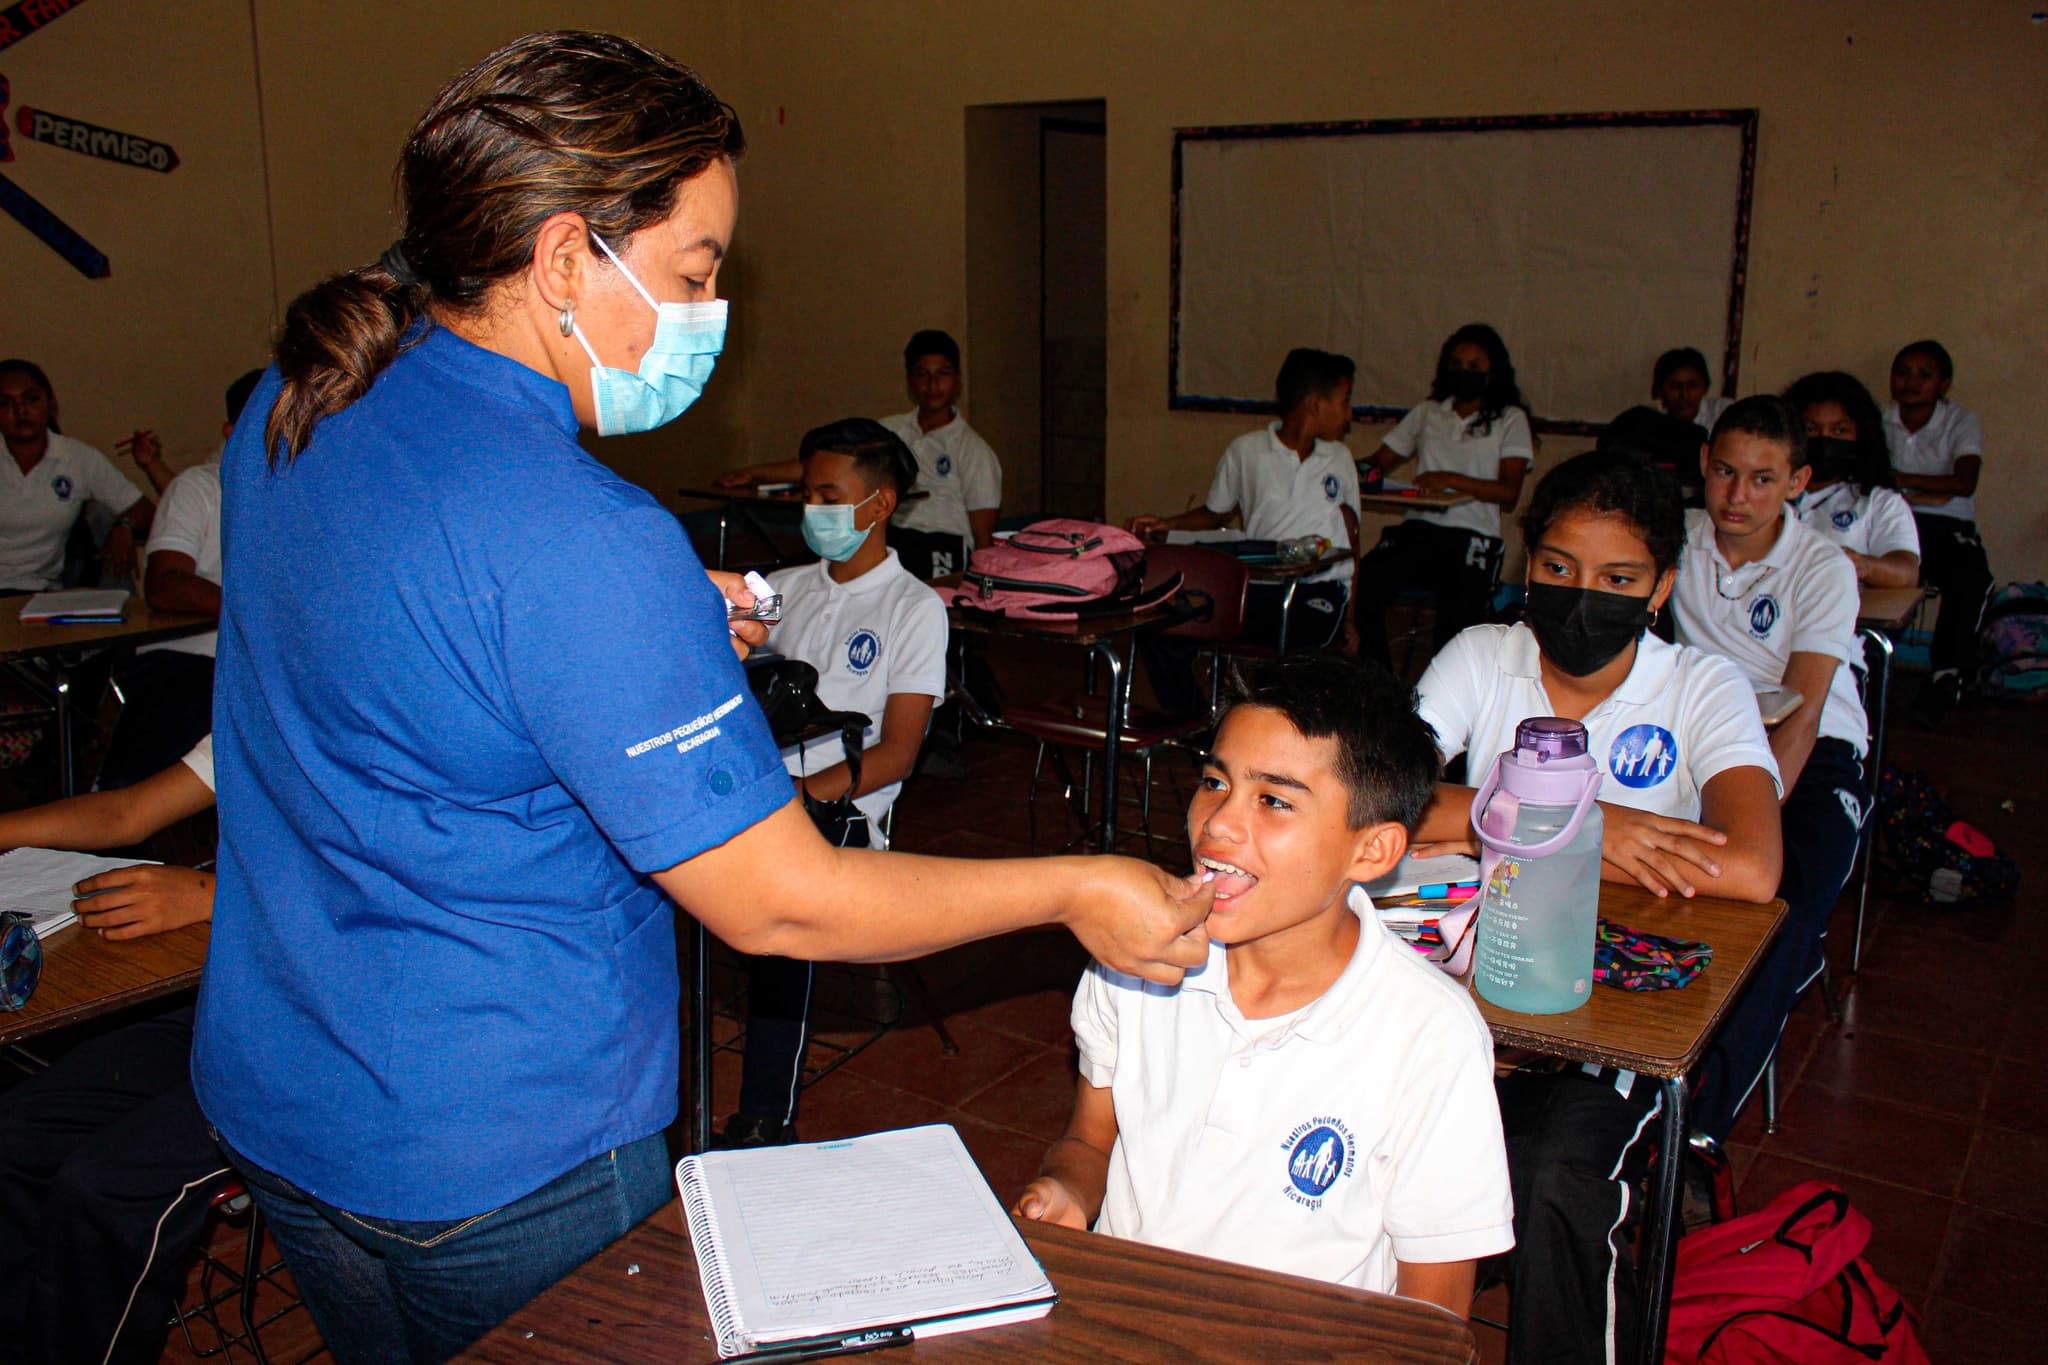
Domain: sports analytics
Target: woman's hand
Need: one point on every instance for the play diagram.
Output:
(134, 902)
(1141, 921)
(1048, 1200)
(1659, 852)
(747, 636)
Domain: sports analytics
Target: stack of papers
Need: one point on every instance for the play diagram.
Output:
(1432, 904)
(39, 880)
(840, 1246)
(77, 607)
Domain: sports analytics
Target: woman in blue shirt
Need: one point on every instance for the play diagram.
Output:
(478, 725)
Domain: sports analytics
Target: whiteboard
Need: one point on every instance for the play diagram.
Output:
(1591, 242)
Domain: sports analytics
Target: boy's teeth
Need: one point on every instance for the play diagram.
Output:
(1218, 865)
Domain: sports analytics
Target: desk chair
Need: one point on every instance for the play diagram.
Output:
(1877, 687)
(221, 1282)
(1215, 581)
(1415, 597)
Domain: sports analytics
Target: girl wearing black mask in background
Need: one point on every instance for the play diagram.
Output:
(1471, 437)
(1852, 498)
(1690, 801)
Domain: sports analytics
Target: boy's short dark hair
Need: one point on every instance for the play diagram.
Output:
(1386, 753)
(1934, 351)
(1308, 373)
(1680, 358)
(238, 394)
(877, 452)
(1770, 417)
(1616, 483)
(931, 341)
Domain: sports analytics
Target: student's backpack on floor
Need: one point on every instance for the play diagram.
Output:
(1787, 1284)
(1061, 569)
(2015, 642)
(1924, 848)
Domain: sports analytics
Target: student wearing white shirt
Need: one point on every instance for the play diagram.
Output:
(1471, 437)
(1294, 477)
(106, 1162)
(1681, 385)
(1937, 447)
(1317, 1099)
(955, 466)
(48, 482)
(1852, 498)
(1690, 805)
(877, 637)
(1759, 586)
(167, 691)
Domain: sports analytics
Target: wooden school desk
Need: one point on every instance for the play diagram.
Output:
(639, 1300)
(61, 648)
(1111, 639)
(85, 976)
(1889, 608)
(1660, 1034)
(1401, 504)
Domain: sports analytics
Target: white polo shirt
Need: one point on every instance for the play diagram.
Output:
(1358, 1131)
(956, 467)
(38, 508)
(1711, 408)
(188, 523)
(1951, 433)
(1678, 720)
(1279, 495)
(1873, 523)
(200, 760)
(1441, 440)
(1801, 598)
(883, 633)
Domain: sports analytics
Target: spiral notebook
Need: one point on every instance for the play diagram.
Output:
(892, 1235)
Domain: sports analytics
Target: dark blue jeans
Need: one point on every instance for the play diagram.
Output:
(384, 1290)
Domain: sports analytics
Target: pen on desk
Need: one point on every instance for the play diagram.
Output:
(1437, 891)
(839, 1344)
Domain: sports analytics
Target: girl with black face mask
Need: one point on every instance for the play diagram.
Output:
(1689, 799)
(1471, 441)
(1852, 498)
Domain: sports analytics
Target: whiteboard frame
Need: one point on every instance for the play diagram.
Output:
(1743, 119)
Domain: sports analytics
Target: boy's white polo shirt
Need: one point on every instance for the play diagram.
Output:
(1279, 495)
(1801, 598)
(37, 509)
(188, 523)
(883, 633)
(1873, 523)
(1359, 1131)
(1951, 433)
(1441, 440)
(1711, 408)
(1679, 719)
(956, 468)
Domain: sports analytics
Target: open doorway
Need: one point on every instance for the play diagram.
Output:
(1037, 300)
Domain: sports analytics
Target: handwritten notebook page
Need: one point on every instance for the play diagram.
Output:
(892, 1228)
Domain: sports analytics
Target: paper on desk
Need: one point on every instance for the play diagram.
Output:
(104, 604)
(1412, 873)
(39, 880)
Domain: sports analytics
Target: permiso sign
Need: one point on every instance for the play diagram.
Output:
(76, 135)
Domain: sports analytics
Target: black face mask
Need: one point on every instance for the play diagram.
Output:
(1582, 630)
(1831, 458)
(1464, 385)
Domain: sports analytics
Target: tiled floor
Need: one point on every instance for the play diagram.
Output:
(1925, 1101)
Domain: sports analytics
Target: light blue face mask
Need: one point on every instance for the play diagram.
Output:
(687, 340)
(829, 529)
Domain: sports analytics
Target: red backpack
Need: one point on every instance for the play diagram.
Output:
(1060, 569)
(1787, 1284)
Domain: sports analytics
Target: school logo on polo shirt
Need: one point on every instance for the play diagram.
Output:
(1844, 519)
(1642, 756)
(1320, 1152)
(61, 486)
(1763, 614)
(1331, 487)
(945, 465)
(863, 647)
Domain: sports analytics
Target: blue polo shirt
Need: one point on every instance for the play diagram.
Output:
(473, 687)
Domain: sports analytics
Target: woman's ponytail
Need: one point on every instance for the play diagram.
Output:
(337, 338)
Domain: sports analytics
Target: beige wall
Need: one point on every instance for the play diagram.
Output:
(1904, 153)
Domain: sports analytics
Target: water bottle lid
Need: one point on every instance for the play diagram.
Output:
(1545, 739)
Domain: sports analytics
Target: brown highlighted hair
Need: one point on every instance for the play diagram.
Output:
(571, 121)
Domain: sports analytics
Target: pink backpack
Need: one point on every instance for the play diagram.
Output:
(1060, 569)
(1787, 1284)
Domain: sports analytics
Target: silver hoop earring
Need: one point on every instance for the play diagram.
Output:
(567, 320)
(1653, 616)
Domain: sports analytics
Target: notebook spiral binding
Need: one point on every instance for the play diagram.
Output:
(711, 1266)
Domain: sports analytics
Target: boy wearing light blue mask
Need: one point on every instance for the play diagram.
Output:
(877, 636)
